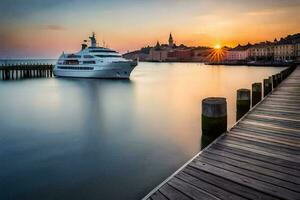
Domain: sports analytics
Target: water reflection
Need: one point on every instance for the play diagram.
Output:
(88, 138)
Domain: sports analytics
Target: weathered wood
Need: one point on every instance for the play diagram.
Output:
(190, 190)
(208, 187)
(172, 193)
(158, 196)
(258, 159)
(254, 169)
(242, 179)
(227, 185)
(243, 100)
(254, 161)
(256, 93)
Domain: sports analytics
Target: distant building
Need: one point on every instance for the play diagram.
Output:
(158, 53)
(171, 41)
(180, 54)
(136, 55)
(239, 53)
(263, 51)
(297, 51)
(287, 49)
(284, 52)
(201, 54)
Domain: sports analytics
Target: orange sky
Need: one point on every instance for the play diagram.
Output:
(47, 28)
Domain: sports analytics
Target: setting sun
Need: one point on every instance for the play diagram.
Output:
(217, 46)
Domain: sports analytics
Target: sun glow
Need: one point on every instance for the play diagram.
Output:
(217, 54)
(217, 46)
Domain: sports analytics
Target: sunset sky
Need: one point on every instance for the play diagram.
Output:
(45, 28)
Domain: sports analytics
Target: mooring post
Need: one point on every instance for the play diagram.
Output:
(279, 79)
(242, 103)
(214, 119)
(270, 83)
(256, 93)
(274, 78)
(282, 75)
(267, 87)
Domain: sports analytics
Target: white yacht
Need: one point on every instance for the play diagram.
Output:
(94, 62)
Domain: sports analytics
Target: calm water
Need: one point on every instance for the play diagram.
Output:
(108, 139)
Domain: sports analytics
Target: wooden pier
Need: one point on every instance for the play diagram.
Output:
(259, 158)
(14, 72)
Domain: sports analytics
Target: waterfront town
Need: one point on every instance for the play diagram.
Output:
(284, 50)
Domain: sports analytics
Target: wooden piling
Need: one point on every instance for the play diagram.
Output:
(267, 87)
(279, 78)
(242, 103)
(275, 83)
(256, 93)
(271, 83)
(214, 119)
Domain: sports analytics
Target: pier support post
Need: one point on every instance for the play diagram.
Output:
(279, 79)
(214, 119)
(282, 75)
(242, 103)
(267, 87)
(274, 78)
(271, 83)
(256, 93)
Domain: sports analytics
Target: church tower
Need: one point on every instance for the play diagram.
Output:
(171, 42)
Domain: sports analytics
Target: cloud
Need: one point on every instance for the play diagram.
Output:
(53, 27)
(266, 12)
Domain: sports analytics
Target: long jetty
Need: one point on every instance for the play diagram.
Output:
(21, 71)
(259, 158)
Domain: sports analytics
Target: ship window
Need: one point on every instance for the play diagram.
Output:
(108, 56)
(76, 68)
(71, 62)
(88, 56)
(89, 62)
(73, 56)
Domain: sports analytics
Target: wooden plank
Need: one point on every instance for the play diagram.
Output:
(263, 151)
(258, 162)
(227, 185)
(274, 122)
(158, 196)
(270, 126)
(171, 193)
(203, 185)
(262, 186)
(190, 190)
(277, 113)
(286, 149)
(260, 175)
(260, 146)
(266, 139)
(268, 130)
(241, 163)
(270, 116)
(263, 156)
(266, 136)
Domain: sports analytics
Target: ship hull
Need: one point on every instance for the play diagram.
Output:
(117, 70)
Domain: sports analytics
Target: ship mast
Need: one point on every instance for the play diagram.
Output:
(93, 40)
